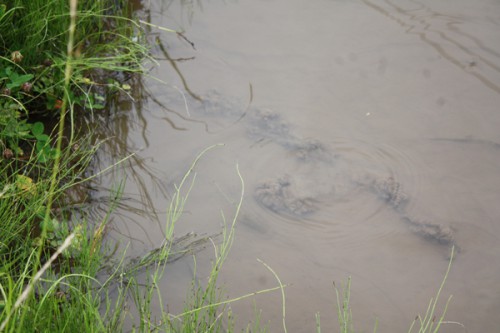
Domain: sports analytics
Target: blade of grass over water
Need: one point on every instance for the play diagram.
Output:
(344, 313)
(282, 288)
(428, 323)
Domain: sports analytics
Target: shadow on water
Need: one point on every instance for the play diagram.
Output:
(113, 130)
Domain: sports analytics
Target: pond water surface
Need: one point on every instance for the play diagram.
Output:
(367, 135)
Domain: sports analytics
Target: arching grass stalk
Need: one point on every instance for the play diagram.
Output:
(160, 258)
(205, 310)
(205, 313)
(282, 288)
(161, 255)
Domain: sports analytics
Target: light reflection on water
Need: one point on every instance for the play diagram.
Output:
(405, 90)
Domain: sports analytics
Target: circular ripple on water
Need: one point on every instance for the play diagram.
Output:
(348, 198)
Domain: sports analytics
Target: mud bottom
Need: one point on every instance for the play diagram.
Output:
(280, 196)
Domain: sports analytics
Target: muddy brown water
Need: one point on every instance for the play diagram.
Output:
(367, 134)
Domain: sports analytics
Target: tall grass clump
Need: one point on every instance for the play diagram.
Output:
(38, 30)
(51, 55)
(30, 293)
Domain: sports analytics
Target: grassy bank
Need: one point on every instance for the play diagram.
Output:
(58, 61)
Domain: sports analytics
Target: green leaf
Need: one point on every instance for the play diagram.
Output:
(37, 129)
(23, 78)
(18, 80)
(40, 145)
(42, 159)
(43, 138)
(23, 134)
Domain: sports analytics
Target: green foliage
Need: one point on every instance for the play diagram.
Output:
(44, 151)
(33, 60)
(58, 231)
(13, 80)
(49, 263)
(23, 202)
(13, 129)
